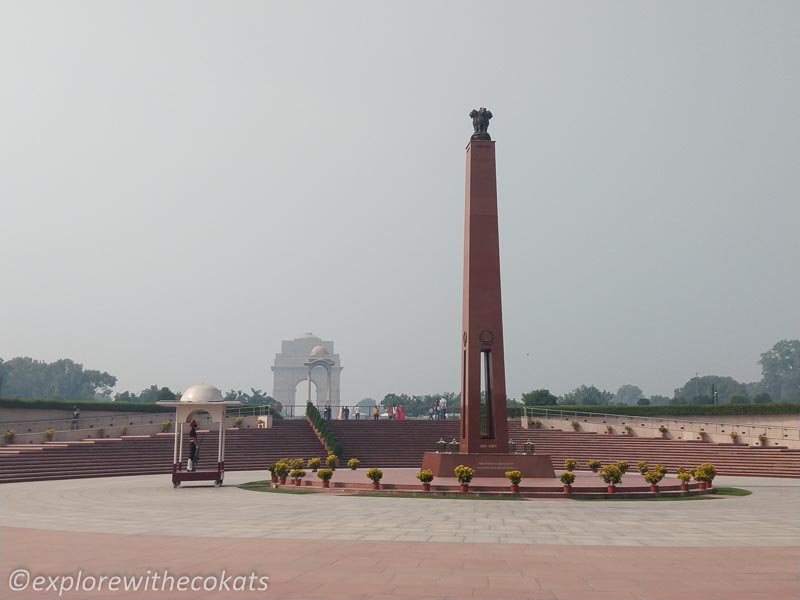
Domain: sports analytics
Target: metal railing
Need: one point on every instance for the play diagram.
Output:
(710, 427)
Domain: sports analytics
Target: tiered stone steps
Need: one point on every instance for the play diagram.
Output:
(401, 444)
(384, 444)
(728, 459)
(141, 455)
(387, 444)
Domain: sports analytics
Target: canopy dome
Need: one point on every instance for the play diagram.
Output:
(319, 352)
(202, 393)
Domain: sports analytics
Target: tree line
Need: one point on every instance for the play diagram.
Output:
(64, 379)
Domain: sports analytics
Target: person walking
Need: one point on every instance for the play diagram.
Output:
(376, 413)
(358, 412)
(390, 412)
(76, 415)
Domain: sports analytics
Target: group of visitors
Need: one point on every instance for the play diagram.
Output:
(438, 412)
(344, 413)
(396, 412)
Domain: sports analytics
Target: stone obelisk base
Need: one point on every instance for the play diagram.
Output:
(489, 465)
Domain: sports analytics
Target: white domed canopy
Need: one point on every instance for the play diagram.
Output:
(319, 351)
(202, 393)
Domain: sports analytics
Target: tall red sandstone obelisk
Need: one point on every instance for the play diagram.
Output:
(484, 427)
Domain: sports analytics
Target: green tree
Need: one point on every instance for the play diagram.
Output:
(584, 395)
(643, 402)
(63, 379)
(704, 388)
(628, 394)
(539, 398)
(165, 395)
(658, 400)
(780, 369)
(739, 399)
(762, 398)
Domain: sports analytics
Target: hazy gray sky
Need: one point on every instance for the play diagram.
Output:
(185, 184)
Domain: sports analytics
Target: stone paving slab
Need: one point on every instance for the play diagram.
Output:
(319, 546)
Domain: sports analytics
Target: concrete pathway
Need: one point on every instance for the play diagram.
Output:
(333, 546)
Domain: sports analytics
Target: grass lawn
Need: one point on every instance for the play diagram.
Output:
(266, 486)
(722, 491)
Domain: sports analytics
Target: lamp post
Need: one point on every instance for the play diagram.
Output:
(529, 447)
(512, 447)
(441, 445)
(453, 446)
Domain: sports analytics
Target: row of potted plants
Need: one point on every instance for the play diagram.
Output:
(322, 430)
(294, 468)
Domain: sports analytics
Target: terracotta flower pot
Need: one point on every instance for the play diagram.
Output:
(708, 485)
(274, 479)
(464, 487)
(567, 489)
(612, 489)
(282, 480)
(703, 485)
(684, 487)
(653, 488)
(426, 487)
(326, 483)
(515, 488)
(297, 482)
(376, 485)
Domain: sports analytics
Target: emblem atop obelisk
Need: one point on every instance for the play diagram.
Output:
(480, 122)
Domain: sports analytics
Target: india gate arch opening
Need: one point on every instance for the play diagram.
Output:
(309, 360)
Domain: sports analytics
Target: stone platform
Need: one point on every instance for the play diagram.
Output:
(489, 465)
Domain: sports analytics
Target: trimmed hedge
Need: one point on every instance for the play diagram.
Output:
(321, 425)
(128, 407)
(685, 410)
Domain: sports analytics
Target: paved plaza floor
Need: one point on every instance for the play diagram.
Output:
(334, 546)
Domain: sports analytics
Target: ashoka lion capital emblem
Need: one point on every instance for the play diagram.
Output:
(480, 122)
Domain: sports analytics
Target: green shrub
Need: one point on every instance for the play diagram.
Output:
(464, 474)
(374, 474)
(594, 465)
(611, 474)
(297, 473)
(49, 433)
(642, 467)
(166, 425)
(690, 410)
(353, 463)
(653, 477)
(515, 477)
(320, 425)
(282, 469)
(66, 405)
(570, 464)
(330, 460)
(623, 466)
(425, 475)
(568, 478)
(683, 475)
(325, 474)
(314, 463)
(9, 435)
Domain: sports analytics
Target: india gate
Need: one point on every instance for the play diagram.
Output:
(311, 359)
